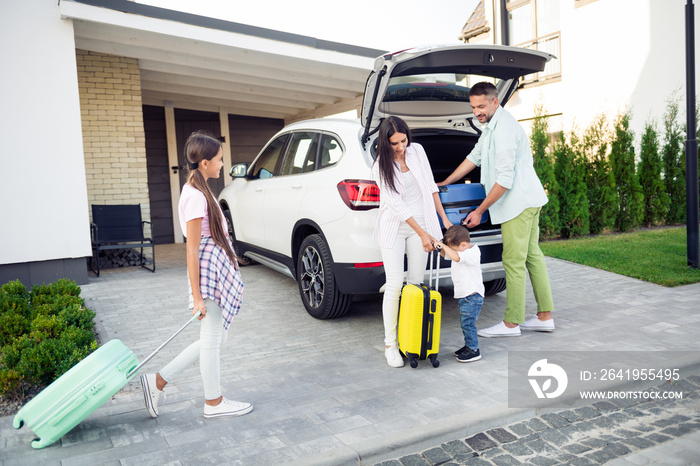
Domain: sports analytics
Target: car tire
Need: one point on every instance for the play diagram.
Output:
(242, 260)
(494, 286)
(317, 285)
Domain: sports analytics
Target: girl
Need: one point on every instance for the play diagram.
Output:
(407, 223)
(214, 281)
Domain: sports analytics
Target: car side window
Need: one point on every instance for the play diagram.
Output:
(264, 166)
(300, 155)
(331, 151)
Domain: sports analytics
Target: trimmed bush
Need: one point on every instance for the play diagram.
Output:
(656, 201)
(43, 333)
(629, 191)
(544, 167)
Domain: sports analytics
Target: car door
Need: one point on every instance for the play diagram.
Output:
(285, 192)
(429, 86)
(249, 223)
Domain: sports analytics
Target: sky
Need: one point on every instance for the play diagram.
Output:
(381, 24)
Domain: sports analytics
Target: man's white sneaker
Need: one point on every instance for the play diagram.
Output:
(499, 330)
(227, 408)
(393, 357)
(535, 324)
(151, 394)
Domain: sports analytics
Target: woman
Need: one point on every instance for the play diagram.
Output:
(214, 279)
(407, 223)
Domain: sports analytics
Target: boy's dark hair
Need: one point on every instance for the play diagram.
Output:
(456, 235)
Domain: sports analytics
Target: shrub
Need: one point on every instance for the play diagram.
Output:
(43, 333)
(602, 195)
(650, 166)
(573, 200)
(629, 214)
(544, 167)
(674, 163)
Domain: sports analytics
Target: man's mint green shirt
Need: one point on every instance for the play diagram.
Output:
(503, 153)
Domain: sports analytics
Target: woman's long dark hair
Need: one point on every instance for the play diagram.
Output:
(385, 153)
(203, 146)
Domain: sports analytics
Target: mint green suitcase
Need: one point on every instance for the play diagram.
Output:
(80, 391)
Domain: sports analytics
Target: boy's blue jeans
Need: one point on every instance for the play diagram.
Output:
(469, 309)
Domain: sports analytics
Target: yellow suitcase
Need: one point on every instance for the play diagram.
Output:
(420, 316)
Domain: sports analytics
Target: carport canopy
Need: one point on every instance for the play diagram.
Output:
(199, 63)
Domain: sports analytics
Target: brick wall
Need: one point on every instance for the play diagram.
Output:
(113, 134)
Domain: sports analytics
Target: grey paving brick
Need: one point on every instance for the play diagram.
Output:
(520, 429)
(437, 455)
(555, 420)
(480, 442)
(414, 460)
(501, 435)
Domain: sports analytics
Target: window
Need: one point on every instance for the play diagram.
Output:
(331, 151)
(535, 24)
(301, 154)
(264, 166)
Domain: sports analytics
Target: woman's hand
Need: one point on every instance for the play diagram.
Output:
(446, 223)
(199, 306)
(427, 241)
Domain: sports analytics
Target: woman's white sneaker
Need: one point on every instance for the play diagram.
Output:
(393, 357)
(227, 408)
(535, 324)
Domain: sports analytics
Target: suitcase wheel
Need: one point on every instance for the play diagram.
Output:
(413, 361)
(434, 360)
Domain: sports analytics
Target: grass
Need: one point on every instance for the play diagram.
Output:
(653, 255)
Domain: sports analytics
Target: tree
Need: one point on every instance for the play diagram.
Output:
(602, 194)
(629, 215)
(650, 167)
(544, 167)
(674, 162)
(573, 201)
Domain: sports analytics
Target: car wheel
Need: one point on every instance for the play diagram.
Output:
(242, 260)
(494, 286)
(317, 285)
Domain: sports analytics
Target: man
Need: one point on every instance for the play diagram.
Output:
(514, 198)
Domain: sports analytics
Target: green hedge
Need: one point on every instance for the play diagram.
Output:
(43, 333)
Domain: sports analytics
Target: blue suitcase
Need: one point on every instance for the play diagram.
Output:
(80, 391)
(459, 200)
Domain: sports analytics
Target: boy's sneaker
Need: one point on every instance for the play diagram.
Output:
(227, 408)
(459, 351)
(151, 394)
(469, 355)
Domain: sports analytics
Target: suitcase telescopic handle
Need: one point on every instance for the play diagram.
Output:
(433, 255)
(133, 371)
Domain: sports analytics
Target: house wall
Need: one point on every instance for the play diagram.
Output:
(615, 55)
(45, 233)
(114, 141)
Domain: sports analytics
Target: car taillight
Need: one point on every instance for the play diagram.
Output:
(359, 194)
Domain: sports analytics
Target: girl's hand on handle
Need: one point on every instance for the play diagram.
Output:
(199, 306)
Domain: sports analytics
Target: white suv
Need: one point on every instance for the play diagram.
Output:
(306, 206)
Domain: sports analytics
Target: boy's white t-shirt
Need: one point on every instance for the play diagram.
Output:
(466, 274)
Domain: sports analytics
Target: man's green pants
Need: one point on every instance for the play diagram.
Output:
(521, 255)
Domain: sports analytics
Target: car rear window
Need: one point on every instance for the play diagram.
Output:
(443, 87)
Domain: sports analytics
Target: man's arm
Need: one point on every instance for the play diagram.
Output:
(474, 218)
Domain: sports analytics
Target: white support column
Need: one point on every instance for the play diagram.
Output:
(223, 121)
(174, 176)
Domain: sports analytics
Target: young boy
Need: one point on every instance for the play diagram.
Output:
(468, 286)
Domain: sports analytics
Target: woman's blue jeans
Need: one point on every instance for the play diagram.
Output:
(469, 309)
